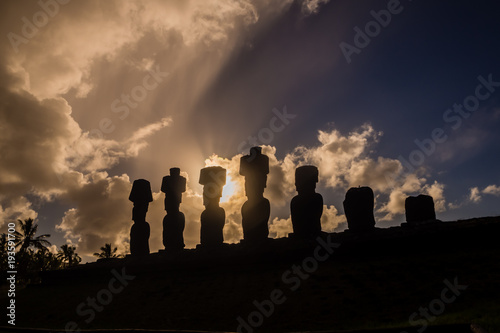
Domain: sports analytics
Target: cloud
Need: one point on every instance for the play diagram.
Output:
(412, 186)
(341, 159)
(476, 195)
(280, 227)
(33, 137)
(44, 151)
(93, 154)
(373, 172)
(101, 213)
(346, 161)
(212, 20)
(331, 220)
(312, 6)
(16, 208)
(436, 191)
(137, 140)
(63, 82)
(492, 190)
(59, 57)
(53, 249)
(65, 162)
(90, 51)
(395, 204)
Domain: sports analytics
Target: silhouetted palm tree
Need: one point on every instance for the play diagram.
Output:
(107, 252)
(68, 255)
(26, 238)
(3, 243)
(43, 260)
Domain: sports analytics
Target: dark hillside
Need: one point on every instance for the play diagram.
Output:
(383, 279)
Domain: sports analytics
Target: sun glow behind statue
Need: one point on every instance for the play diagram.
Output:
(232, 186)
(228, 190)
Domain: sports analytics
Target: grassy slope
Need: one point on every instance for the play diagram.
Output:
(372, 285)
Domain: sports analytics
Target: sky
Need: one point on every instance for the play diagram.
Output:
(402, 96)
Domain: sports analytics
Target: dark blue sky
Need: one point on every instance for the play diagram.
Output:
(424, 61)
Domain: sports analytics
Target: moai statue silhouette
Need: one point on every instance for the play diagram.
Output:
(358, 208)
(256, 210)
(420, 209)
(141, 196)
(213, 217)
(173, 223)
(306, 207)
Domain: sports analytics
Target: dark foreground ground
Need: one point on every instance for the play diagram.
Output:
(397, 279)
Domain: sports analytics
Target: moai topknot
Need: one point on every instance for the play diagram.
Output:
(173, 223)
(358, 208)
(420, 209)
(256, 210)
(307, 207)
(141, 196)
(213, 217)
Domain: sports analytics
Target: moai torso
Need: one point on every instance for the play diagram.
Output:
(141, 196)
(358, 208)
(174, 222)
(212, 226)
(255, 216)
(306, 207)
(213, 217)
(256, 210)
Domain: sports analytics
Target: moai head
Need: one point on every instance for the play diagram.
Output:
(213, 180)
(306, 178)
(173, 186)
(255, 168)
(141, 196)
